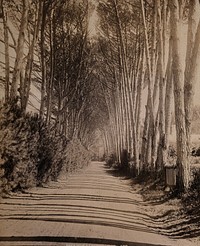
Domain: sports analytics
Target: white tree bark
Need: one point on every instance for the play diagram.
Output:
(178, 78)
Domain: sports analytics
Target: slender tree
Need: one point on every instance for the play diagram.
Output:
(18, 66)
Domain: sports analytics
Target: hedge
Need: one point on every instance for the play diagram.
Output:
(32, 153)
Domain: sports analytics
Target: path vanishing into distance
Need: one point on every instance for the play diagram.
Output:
(91, 207)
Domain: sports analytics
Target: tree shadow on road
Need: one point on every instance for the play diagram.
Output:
(172, 223)
(118, 172)
(75, 240)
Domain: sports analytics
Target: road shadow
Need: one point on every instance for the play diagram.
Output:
(118, 172)
(167, 223)
(84, 240)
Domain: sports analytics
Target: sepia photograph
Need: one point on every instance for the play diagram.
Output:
(99, 122)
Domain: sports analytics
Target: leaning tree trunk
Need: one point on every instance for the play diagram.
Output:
(30, 59)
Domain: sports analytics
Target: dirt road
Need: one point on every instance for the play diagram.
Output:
(88, 208)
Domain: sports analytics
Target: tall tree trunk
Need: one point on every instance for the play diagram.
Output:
(51, 77)
(30, 59)
(139, 109)
(149, 133)
(144, 140)
(178, 78)
(7, 60)
(193, 40)
(43, 61)
(150, 84)
(161, 64)
(18, 67)
(168, 96)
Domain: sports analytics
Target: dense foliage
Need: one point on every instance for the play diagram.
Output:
(191, 198)
(31, 153)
